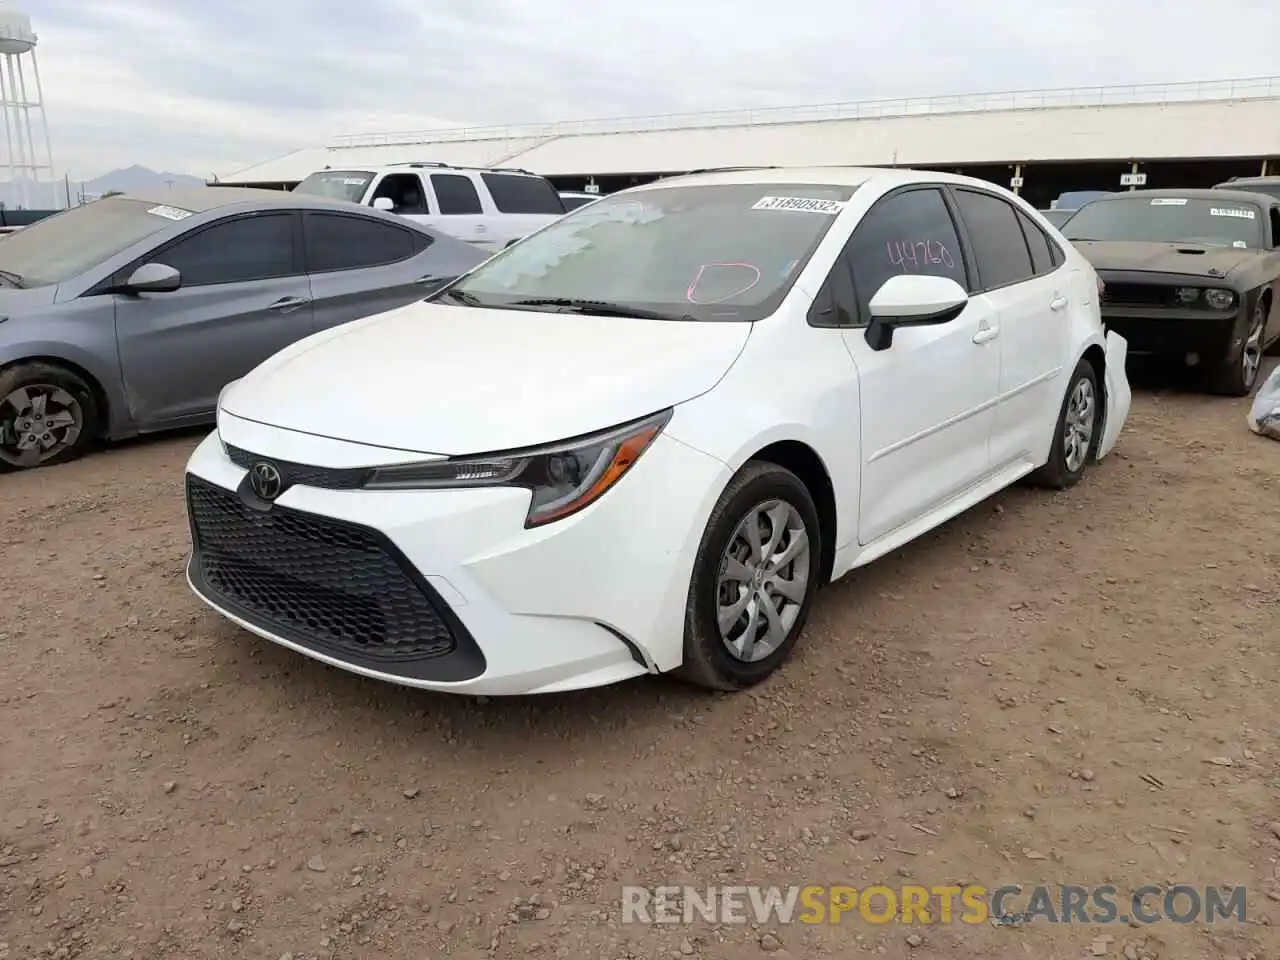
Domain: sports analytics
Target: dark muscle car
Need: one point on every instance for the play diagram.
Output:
(1189, 275)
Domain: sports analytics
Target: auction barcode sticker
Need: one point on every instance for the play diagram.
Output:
(804, 204)
(169, 213)
(1238, 212)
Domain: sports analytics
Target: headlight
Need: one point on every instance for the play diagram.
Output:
(1220, 299)
(1188, 295)
(563, 478)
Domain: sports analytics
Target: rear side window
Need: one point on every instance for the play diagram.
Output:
(337, 242)
(456, 194)
(1039, 244)
(999, 247)
(908, 232)
(513, 193)
(573, 203)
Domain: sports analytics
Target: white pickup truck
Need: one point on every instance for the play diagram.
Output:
(488, 207)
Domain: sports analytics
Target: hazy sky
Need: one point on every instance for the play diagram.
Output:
(204, 86)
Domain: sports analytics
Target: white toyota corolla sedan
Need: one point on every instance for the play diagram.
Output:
(639, 440)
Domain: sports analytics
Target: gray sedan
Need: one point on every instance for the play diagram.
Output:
(129, 315)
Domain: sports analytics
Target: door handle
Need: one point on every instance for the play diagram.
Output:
(1058, 303)
(481, 228)
(289, 304)
(986, 334)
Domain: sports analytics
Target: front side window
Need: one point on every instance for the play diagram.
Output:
(405, 192)
(456, 194)
(66, 244)
(337, 184)
(908, 232)
(721, 252)
(513, 193)
(245, 249)
(1165, 219)
(337, 242)
(999, 247)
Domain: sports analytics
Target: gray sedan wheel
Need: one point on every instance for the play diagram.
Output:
(47, 416)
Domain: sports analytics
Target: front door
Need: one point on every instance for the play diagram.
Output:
(927, 402)
(244, 297)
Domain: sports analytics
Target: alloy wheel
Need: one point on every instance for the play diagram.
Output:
(1078, 425)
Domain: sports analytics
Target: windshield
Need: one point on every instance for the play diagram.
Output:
(336, 184)
(66, 244)
(1212, 223)
(724, 252)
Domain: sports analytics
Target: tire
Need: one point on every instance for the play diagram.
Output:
(1238, 374)
(1066, 466)
(72, 416)
(759, 491)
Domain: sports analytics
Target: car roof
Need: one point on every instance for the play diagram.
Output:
(815, 176)
(376, 168)
(1269, 181)
(204, 199)
(1197, 193)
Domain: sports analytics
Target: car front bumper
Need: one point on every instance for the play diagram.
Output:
(445, 589)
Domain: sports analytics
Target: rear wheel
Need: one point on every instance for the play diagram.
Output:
(754, 579)
(1238, 375)
(1076, 431)
(47, 416)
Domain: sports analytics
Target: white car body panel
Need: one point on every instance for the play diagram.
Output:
(908, 436)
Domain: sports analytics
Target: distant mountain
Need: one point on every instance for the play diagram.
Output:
(46, 196)
(137, 178)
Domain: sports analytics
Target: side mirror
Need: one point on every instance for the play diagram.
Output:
(383, 203)
(912, 300)
(153, 278)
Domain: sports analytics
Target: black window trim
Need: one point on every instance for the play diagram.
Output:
(955, 188)
(857, 322)
(1055, 259)
(156, 254)
(475, 189)
(421, 240)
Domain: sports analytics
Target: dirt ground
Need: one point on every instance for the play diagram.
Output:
(982, 707)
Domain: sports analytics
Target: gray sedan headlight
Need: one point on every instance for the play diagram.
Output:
(562, 478)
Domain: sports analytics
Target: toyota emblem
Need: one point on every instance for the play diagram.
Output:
(266, 480)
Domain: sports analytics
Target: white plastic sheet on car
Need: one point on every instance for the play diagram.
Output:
(1264, 415)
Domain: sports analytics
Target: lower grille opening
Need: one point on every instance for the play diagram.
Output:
(330, 585)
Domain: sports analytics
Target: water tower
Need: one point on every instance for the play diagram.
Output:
(26, 130)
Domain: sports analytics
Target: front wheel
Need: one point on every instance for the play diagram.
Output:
(1074, 432)
(754, 579)
(47, 414)
(1237, 377)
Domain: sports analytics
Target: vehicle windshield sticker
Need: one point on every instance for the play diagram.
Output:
(1168, 202)
(353, 181)
(804, 204)
(170, 213)
(1240, 245)
(1238, 212)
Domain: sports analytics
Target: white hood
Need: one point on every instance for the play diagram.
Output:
(430, 378)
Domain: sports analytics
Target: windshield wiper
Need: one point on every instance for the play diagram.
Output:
(470, 299)
(600, 308)
(13, 278)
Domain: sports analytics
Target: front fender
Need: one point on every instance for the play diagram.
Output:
(1118, 394)
(105, 371)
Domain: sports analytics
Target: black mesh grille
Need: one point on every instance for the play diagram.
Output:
(1138, 295)
(330, 478)
(329, 584)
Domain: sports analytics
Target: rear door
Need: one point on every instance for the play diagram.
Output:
(244, 296)
(459, 212)
(1034, 297)
(522, 204)
(360, 266)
